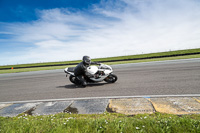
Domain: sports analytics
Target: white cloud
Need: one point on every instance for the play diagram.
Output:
(109, 29)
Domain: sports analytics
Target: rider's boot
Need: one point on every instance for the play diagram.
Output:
(84, 84)
(82, 80)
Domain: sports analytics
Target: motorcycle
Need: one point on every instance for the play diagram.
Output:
(94, 74)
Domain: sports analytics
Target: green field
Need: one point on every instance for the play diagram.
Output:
(111, 61)
(101, 123)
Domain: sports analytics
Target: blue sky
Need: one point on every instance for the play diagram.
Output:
(26, 10)
(59, 30)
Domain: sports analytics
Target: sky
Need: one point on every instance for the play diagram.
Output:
(35, 31)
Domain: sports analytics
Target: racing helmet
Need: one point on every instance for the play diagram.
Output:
(86, 60)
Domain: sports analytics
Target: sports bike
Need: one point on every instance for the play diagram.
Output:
(94, 74)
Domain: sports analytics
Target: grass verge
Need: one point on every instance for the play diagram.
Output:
(101, 123)
(109, 63)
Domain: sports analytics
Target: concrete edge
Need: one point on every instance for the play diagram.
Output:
(4, 105)
(132, 105)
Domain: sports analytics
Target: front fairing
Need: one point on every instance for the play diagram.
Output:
(92, 70)
(103, 71)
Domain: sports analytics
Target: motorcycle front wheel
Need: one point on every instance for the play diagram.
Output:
(112, 78)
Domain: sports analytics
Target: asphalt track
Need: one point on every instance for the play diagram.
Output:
(178, 77)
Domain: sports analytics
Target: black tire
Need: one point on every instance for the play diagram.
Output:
(112, 78)
(72, 79)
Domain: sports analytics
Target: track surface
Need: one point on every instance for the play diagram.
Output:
(155, 78)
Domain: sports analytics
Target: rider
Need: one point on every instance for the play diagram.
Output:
(80, 69)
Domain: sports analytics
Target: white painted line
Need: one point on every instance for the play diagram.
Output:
(108, 97)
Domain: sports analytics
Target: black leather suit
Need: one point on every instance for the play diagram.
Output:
(80, 71)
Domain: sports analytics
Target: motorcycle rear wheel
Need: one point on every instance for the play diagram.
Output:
(112, 78)
(72, 79)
